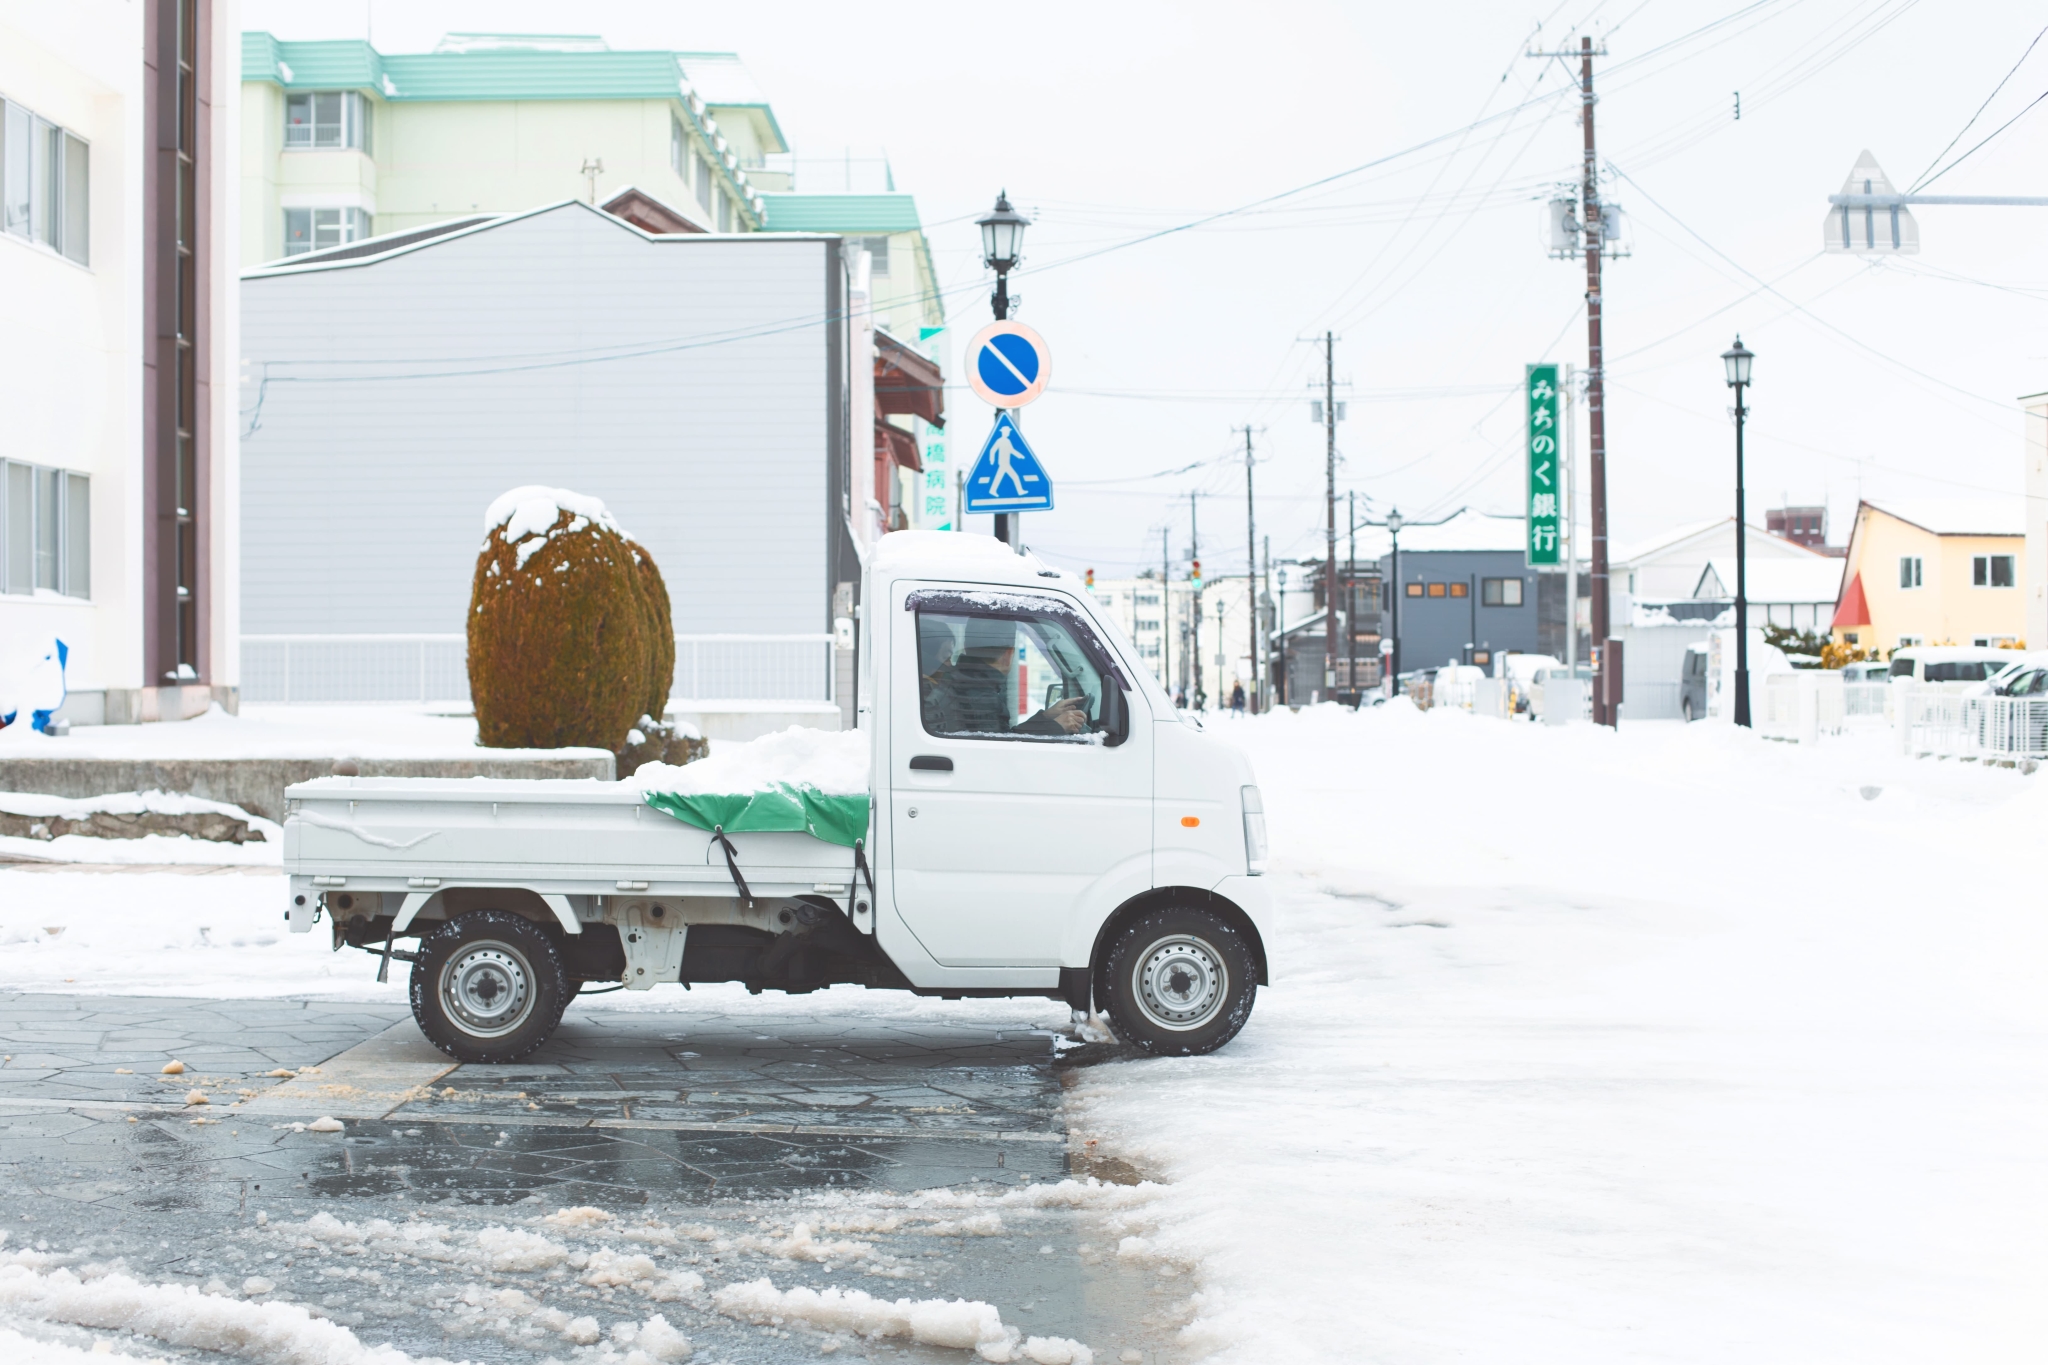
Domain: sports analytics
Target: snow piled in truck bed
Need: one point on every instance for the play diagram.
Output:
(836, 762)
(1669, 1044)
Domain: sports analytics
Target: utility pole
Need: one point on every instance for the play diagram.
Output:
(1351, 600)
(1165, 613)
(1330, 513)
(1251, 567)
(1264, 659)
(1195, 600)
(1593, 226)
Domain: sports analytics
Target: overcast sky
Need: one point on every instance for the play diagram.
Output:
(1109, 122)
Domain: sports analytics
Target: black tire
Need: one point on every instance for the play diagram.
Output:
(1178, 981)
(489, 986)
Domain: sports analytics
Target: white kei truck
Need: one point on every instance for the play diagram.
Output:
(1020, 811)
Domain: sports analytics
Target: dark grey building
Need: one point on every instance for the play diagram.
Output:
(1461, 591)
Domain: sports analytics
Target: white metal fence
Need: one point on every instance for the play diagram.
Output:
(1947, 724)
(366, 669)
(1802, 705)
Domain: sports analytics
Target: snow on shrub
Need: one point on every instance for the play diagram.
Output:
(569, 631)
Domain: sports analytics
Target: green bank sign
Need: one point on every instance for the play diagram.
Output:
(1544, 464)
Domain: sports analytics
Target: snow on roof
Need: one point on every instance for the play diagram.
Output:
(721, 78)
(1959, 516)
(1464, 530)
(1784, 580)
(1664, 540)
(956, 554)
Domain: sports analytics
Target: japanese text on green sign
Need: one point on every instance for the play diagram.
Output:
(1544, 461)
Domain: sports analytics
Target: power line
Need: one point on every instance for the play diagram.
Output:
(1921, 179)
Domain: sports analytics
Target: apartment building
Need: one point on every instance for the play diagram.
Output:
(117, 250)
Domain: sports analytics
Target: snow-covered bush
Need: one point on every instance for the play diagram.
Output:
(569, 633)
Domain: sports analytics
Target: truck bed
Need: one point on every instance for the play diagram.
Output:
(569, 837)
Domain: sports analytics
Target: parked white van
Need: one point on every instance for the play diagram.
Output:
(1954, 667)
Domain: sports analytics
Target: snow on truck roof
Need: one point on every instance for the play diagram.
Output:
(959, 554)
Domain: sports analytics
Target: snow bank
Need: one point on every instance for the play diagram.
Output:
(180, 1315)
(23, 841)
(835, 762)
(17, 1349)
(966, 1324)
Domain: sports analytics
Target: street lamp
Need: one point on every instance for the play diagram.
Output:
(1738, 362)
(1394, 524)
(1284, 662)
(1002, 246)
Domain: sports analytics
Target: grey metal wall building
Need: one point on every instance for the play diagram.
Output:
(1457, 604)
(393, 389)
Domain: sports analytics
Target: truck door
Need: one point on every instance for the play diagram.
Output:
(1020, 789)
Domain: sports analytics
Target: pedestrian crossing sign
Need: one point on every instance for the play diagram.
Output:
(1007, 477)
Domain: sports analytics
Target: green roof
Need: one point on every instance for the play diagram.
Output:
(847, 213)
(491, 75)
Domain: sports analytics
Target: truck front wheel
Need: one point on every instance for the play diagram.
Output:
(1179, 981)
(488, 986)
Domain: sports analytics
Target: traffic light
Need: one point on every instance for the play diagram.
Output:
(1195, 572)
(1091, 578)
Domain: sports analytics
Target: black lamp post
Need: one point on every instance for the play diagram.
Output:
(1002, 246)
(1738, 362)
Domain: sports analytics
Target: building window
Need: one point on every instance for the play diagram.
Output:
(878, 255)
(724, 212)
(1482, 657)
(1415, 589)
(1909, 641)
(1909, 571)
(1500, 592)
(327, 119)
(703, 183)
(44, 183)
(1436, 590)
(317, 229)
(676, 154)
(1460, 589)
(45, 530)
(1991, 571)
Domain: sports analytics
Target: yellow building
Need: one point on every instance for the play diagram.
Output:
(1934, 572)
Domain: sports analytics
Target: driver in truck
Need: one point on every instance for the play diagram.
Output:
(970, 694)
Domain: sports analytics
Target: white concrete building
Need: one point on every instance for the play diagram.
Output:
(117, 249)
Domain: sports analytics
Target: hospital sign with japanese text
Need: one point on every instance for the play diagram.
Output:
(1544, 504)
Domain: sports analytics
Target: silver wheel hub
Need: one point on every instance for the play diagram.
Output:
(1181, 983)
(486, 989)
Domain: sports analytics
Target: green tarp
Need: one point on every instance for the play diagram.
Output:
(781, 809)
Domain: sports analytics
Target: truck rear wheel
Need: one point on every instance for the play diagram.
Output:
(1178, 982)
(488, 986)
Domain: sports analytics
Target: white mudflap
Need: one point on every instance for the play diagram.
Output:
(653, 937)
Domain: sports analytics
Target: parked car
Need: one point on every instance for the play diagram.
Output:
(1692, 683)
(1706, 681)
(1955, 667)
(1519, 671)
(2025, 676)
(1541, 676)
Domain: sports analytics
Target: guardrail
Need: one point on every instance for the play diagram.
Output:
(370, 669)
(1947, 724)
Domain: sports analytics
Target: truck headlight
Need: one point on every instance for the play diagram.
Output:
(1254, 832)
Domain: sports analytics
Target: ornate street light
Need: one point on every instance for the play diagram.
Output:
(1737, 361)
(1002, 246)
(1394, 524)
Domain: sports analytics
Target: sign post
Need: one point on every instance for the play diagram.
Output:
(1543, 505)
(1007, 366)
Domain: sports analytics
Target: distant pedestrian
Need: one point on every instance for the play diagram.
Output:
(1180, 700)
(1237, 701)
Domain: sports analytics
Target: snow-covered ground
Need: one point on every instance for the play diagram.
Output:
(276, 732)
(1670, 1044)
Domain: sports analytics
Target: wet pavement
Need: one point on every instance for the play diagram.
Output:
(641, 1163)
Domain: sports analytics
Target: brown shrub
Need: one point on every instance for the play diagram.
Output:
(562, 647)
(661, 632)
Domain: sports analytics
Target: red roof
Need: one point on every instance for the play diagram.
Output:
(1852, 611)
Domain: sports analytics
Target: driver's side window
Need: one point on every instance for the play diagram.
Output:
(1019, 674)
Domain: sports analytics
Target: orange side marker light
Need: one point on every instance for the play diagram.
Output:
(1190, 821)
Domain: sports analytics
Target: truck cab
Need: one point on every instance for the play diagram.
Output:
(1041, 821)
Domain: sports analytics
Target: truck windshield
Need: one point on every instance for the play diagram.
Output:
(1010, 675)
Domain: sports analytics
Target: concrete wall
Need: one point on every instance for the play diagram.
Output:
(710, 440)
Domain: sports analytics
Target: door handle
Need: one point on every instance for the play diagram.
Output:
(931, 763)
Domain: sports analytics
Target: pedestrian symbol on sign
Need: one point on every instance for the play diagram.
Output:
(1007, 477)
